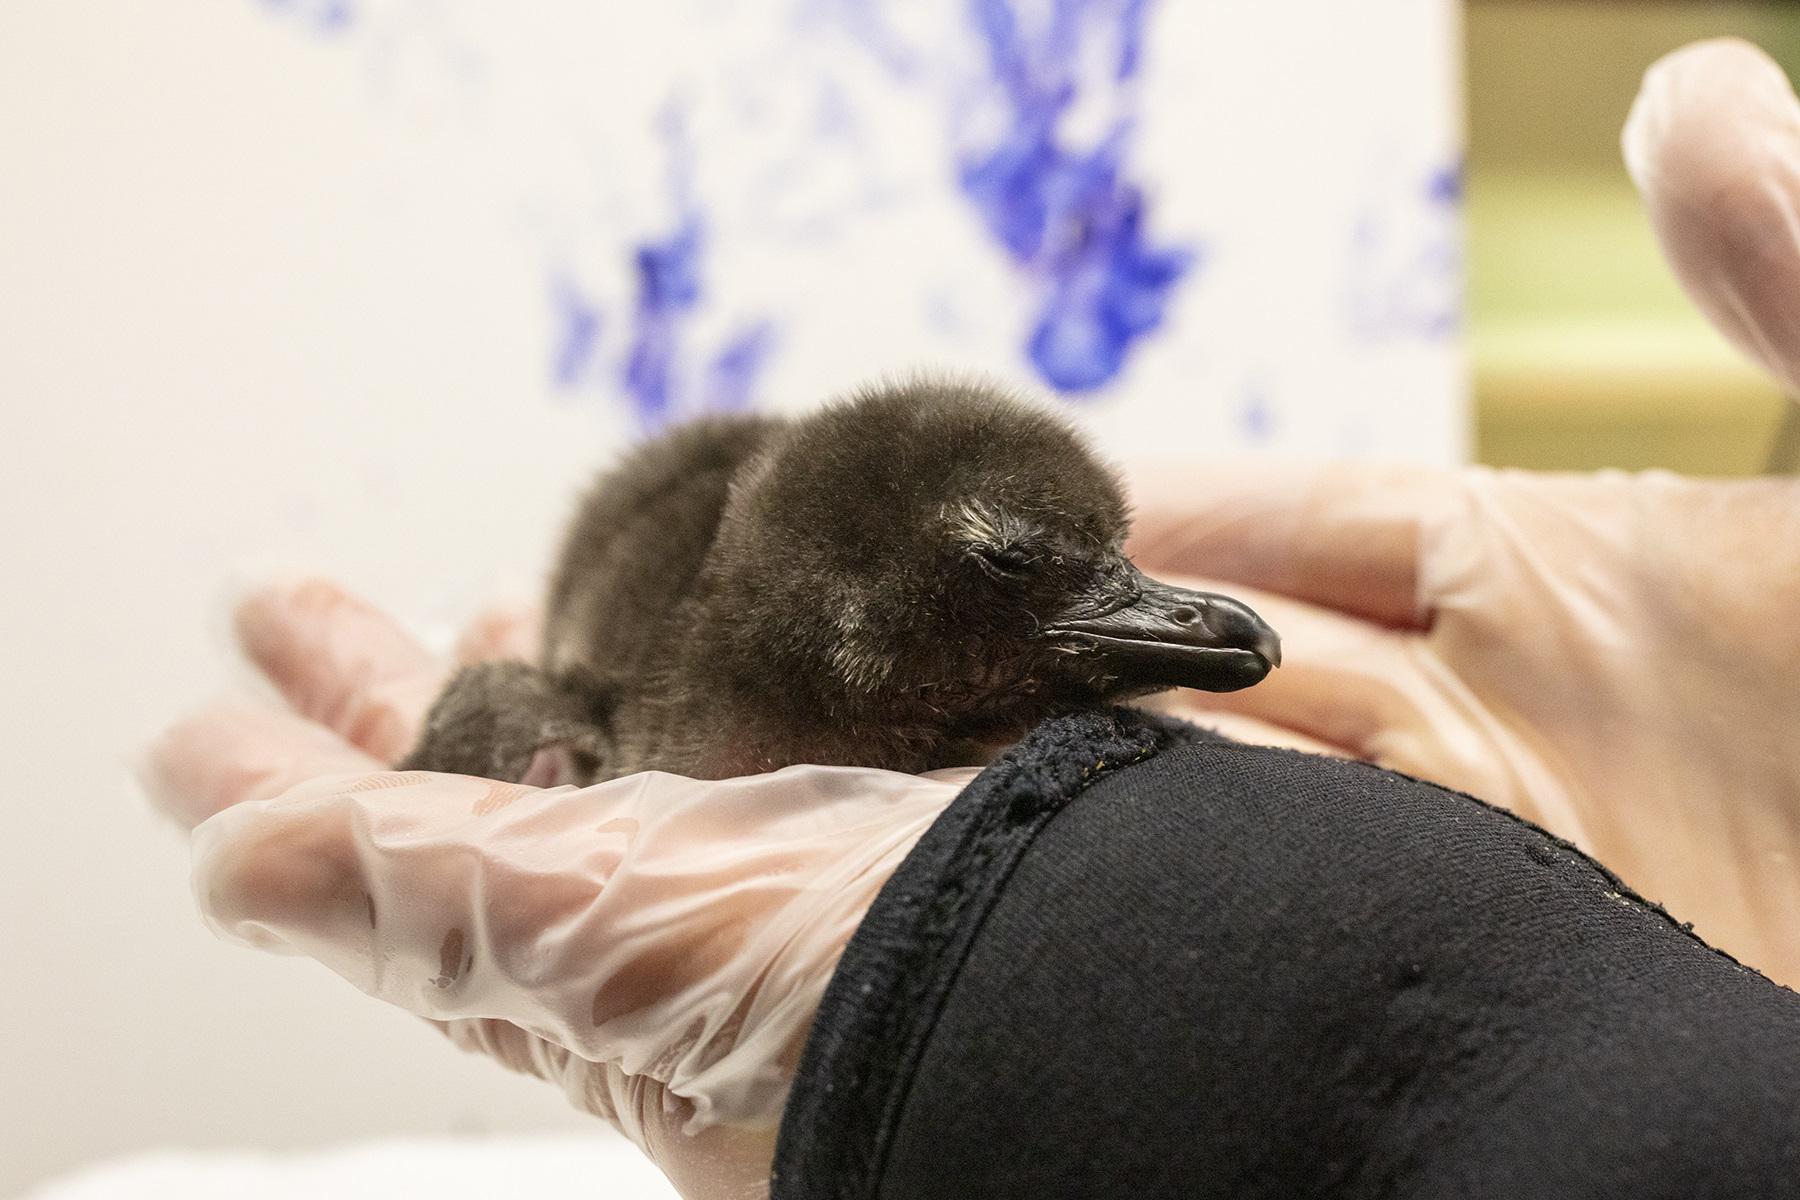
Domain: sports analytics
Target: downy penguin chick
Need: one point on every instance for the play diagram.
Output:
(905, 579)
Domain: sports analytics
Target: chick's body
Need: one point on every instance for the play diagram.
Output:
(898, 580)
(720, 586)
(619, 605)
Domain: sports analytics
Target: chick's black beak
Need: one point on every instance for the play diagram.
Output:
(1150, 633)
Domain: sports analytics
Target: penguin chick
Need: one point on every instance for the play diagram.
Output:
(509, 720)
(905, 579)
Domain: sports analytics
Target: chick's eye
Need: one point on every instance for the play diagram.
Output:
(1013, 562)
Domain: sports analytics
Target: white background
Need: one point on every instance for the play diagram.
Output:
(276, 296)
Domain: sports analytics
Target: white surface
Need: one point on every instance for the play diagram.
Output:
(595, 1166)
(277, 296)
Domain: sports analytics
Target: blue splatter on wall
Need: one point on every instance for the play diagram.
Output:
(575, 320)
(1067, 213)
(664, 377)
(1444, 186)
(668, 290)
(852, 146)
(1059, 206)
(867, 27)
(1406, 260)
(322, 16)
(662, 370)
(1256, 418)
(731, 376)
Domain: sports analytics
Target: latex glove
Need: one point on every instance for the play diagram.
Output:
(1713, 143)
(654, 945)
(1614, 657)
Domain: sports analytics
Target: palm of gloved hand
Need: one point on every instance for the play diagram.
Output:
(655, 946)
(1613, 657)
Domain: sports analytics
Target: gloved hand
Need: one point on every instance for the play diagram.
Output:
(654, 945)
(1613, 657)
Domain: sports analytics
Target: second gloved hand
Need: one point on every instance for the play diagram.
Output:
(1611, 656)
(1614, 657)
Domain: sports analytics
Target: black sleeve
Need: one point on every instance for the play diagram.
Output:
(1133, 960)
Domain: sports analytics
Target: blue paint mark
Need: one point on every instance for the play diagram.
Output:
(323, 16)
(1066, 214)
(1256, 416)
(668, 288)
(1131, 39)
(332, 16)
(1406, 262)
(668, 273)
(655, 372)
(861, 21)
(669, 293)
(1445, 185)
(731, 379)
(577, 324)
(1111, 293)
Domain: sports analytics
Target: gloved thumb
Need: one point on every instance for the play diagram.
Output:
(1713, 144)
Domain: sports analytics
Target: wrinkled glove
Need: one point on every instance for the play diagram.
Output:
(654, 945)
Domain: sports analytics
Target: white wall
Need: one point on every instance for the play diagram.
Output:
(285, 283)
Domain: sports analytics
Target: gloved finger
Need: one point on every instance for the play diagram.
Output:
(502, 631)
(351, 869)
(1713, 144)
(230, 753)
(341, 662)
(1344, 682)
(1342, 536)
(671, 928)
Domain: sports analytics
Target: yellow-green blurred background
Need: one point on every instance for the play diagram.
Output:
(1585, 351)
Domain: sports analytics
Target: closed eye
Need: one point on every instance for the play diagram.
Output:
(1007, 562)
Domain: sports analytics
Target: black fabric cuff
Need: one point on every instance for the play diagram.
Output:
(1134, 959)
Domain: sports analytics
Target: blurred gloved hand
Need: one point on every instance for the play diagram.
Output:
(1713, 143)
(655, 946)
(1615, 657)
